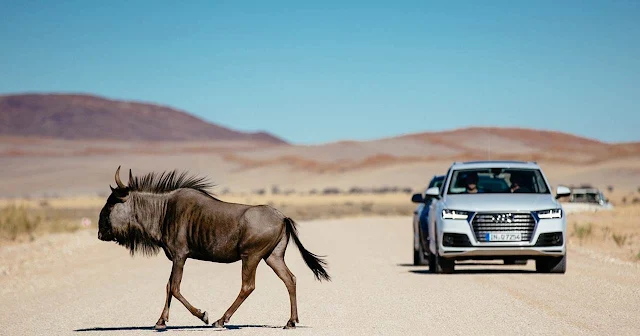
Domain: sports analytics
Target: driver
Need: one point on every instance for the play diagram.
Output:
(471, 181)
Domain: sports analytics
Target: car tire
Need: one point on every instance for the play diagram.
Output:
(432, 262)
(418, 257)
(447, 266)
(552, 264)
(442, 265)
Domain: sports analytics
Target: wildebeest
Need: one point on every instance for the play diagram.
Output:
(175, 212)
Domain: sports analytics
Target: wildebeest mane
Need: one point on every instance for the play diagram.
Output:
(169, 181)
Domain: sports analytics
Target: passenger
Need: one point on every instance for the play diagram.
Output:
(518, 184)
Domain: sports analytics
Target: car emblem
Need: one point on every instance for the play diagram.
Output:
(503, 218)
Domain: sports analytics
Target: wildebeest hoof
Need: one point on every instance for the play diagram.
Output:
(160, 327)
(218, 324)
(290, 325)
(205, 318)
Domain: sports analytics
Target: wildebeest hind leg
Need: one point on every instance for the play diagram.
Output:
(276, 262)
(249, 265)
(176, 278)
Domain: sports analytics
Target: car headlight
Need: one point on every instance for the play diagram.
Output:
(549, 214)
(454, 214)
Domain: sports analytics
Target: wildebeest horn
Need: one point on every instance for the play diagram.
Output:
(118, 182)
(130, 177)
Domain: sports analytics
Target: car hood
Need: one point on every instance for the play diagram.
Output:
(501, 202)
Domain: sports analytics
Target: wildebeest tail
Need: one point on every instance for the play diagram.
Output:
(315, 262)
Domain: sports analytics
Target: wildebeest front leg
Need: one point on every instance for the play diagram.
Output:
(176, 278)
(164, 317)
(249, 266)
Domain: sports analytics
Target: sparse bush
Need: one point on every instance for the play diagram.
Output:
(259, 192)
(16, 221)
(635, 200)
(610, 188)
(624, 200)
(275, 190)
(606, 231)
(367, 207)
(620, 239)
(356, 190)
(582, 231)
(331, 191)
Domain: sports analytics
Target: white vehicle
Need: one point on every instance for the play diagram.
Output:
(496, 210)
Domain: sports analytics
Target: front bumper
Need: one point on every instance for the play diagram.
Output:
(472, 248)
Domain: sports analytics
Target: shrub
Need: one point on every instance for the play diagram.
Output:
(16, 221)
(582, 231)
(620, 239)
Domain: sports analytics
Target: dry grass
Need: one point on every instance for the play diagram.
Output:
(25, 219)
(16, 221)
(22, 222)
(619, 239)
(615, 233)
(582, 231)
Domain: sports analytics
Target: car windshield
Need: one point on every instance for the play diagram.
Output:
(497, 181)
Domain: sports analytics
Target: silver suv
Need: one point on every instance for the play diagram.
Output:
(496, 210)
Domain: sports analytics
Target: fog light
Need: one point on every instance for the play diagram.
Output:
(448, 240)
(556, 239)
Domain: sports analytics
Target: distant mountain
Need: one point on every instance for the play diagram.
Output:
(81, 117)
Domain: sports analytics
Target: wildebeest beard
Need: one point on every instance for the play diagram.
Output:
(142, 233)
(136, 240)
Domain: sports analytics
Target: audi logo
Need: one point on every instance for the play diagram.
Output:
(503, 218)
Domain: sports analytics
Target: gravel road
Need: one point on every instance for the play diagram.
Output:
(76, 285)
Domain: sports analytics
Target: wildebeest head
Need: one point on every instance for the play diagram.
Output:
(115, 216)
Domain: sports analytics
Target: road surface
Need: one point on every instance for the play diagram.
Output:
(76, 285)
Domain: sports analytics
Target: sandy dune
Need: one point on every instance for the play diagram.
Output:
(35, 166)
(81, 286)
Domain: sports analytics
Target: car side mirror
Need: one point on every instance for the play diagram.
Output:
(417, 198)
(562, 191)
(433, 192)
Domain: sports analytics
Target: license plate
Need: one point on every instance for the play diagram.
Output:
(503, 236)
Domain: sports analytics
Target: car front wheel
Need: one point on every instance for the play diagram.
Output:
(418, 256)
(552, 264)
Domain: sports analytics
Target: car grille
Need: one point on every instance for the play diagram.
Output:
(484, 223)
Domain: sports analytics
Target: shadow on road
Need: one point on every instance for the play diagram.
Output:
(506, 270)
(230, 326)
(478, 271)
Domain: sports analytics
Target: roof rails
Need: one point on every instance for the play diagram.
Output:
(496, 161)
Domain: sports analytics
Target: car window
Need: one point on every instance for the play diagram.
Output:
(499, 181)
(436, 182)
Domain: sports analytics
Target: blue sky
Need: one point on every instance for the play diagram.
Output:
(314, 72)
